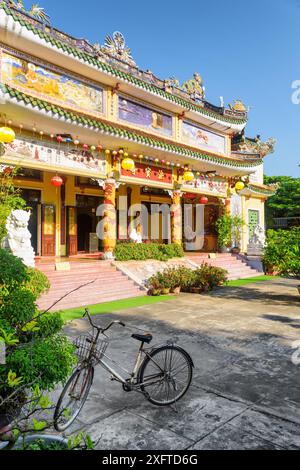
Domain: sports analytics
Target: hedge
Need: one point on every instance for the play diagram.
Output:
(126, 251)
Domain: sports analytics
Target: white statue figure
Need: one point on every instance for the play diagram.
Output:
(18, 237)
(136, 234)
(259, 235)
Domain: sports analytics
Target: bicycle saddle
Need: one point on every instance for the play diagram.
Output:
(146, 338)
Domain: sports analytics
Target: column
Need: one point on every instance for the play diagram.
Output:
(176, 217)
(109, 226)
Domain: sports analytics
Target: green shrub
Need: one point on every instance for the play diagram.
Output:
(37, 283)
(126, 251)
(36, 350)
(229, 230)
(205, 278)
(282, 252)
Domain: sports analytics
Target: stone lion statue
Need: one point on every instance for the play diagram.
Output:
(18, 239)
(258, 235)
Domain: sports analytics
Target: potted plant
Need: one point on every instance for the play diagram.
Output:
(237, 224)
(224, 231)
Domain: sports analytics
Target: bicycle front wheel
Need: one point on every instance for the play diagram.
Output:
(165, 375)
(73, 397)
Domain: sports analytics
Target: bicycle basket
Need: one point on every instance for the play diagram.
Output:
(83, 346)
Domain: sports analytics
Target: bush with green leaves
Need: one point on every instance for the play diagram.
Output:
(126, 251)
(282, 252)
(204, 278)
(37, 353)
(229, 230)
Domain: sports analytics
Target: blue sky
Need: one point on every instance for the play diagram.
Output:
(247, 50)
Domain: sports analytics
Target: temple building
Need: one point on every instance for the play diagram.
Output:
(90, 126)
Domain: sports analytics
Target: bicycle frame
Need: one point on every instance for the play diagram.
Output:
(115, 375)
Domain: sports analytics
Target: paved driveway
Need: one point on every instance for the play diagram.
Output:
(246, 389)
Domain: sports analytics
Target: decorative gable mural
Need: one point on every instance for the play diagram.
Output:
(54, 87)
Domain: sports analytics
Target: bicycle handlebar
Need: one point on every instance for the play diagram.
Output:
(87, 313)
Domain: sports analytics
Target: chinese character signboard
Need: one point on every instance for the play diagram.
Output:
(150, 173)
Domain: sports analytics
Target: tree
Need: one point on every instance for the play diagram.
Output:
(286, 201)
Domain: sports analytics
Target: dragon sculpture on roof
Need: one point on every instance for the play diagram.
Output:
(116, 47)
(36, 11)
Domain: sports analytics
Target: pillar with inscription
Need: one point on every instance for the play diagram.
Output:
(176, 217)
(109, 226)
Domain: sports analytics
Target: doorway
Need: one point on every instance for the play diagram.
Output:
(87, 220)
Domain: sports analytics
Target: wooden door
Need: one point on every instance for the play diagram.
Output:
(72, 241)
(48, 230)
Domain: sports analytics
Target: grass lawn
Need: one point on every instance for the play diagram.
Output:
(108, 307)
(249, 280)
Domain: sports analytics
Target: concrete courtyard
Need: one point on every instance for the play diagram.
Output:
(246, 390)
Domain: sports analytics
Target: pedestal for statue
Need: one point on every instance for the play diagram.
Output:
(255, 249)
(18, 239)
(257, 242)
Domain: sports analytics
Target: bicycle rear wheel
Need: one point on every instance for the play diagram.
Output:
(165, 375)
(73, 397)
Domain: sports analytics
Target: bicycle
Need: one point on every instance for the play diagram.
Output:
(162, 373)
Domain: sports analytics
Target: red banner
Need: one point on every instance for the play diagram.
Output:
(149, 172)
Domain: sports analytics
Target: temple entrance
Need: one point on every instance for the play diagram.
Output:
(33, 201)
(207, 224)
(85, 227)
(86, 224)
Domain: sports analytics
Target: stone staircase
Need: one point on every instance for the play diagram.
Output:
(109, 284)
(234, 264)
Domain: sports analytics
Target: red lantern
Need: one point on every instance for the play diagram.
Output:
(203, 200)
(57, 181)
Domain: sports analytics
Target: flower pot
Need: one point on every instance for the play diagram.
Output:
(195, 290)
(176, 290)
(224, 249)
(47, 441)
(156, 292)
(165, 290)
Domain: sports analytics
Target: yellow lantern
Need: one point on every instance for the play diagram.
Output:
(188, 176)
(7, 135)
(239, 185)
(128, 164)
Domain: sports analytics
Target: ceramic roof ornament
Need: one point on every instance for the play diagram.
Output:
(116, 47)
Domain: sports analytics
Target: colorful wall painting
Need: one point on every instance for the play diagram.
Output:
(198, 137)
(64, 157)
(145, 117)
(56, 88)
(217, 188)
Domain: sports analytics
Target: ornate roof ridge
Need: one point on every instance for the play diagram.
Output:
(190, 96)
(123, 132)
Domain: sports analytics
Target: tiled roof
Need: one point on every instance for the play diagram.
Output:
(121, 132)
(119, 74)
